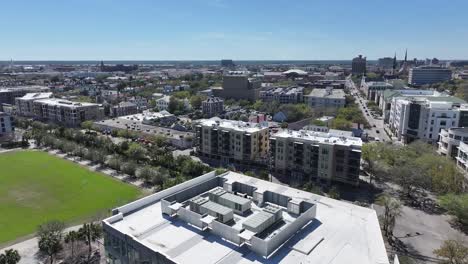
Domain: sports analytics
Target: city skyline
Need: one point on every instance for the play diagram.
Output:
(215, 29)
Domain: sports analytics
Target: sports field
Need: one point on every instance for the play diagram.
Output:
(36, 187)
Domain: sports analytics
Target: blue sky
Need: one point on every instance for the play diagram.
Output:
(241, 29)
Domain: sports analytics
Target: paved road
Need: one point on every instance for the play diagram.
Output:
(377, 130)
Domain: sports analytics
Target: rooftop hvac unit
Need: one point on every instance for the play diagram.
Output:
(196, 203)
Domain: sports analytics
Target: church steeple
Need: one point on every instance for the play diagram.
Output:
(394, 63)
(406, 55)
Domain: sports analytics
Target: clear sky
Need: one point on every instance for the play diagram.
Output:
(236, 29)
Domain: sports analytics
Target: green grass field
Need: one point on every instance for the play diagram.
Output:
(36, 187)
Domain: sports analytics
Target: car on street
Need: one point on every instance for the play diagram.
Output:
(377, 131)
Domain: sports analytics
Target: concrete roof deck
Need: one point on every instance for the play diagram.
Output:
(340, 233)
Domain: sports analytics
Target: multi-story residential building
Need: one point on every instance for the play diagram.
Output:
(428, 75)
(326, 98)
(302, 156)
(373, 90)
(212, 106)
(66, 112)
(232, 218)
(238, 86)
(24, 105)
(163, 103)
(358, 65)
(412, 118)
(123, 109)
(232, 141)
(8, 95)
(290, 95)
(450, 139)
(140, 102)
(385, 98)
(7, 127)
(462, 157)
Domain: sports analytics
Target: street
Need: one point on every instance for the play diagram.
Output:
(377, 125)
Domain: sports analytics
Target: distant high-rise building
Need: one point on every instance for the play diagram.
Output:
(359, 65)
(386, 62)
(428, 75)
(227, 63)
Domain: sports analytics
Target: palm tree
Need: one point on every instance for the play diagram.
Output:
(70, 238)
(11, 256)
(89, 233)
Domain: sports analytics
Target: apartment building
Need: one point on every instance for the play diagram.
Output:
(66, 112)
(326, 98)
(231, 141)
(450, 139)
(212, 106)
(7, 127)
(373, 90)
(385, 98)
(163, 103)
(24, 105)
(203, 221)
(428, 75)
(123, 109)
(282, 95)
(462, 157)
(8, 94)
(412, 118)
(238, 85)
(302, 156)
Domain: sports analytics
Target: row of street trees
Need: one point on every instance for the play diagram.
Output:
(153, 163)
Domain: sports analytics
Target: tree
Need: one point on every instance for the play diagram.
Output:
(146, 173)
(11, 256)
(89, 233)
(196, 101)
(136, 152)
(392, 209)
(453, 251)
(334, 193)
(114, 162)
(129, 168)
(50, 237)
(88, 125)
(456, 205)
(71, 238)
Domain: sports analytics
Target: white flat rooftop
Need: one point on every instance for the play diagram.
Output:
(331, 137)
(340, 233)
(232, 124)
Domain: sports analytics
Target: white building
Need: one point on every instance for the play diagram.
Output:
(450, 140)
(186, 224)
(428, 75)
(326, 98)
(163, 103)
(24, 105)
(290, 95)
(66, 112)
(462, 157)
(7, 128)
(412, 118)
(385, 98)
